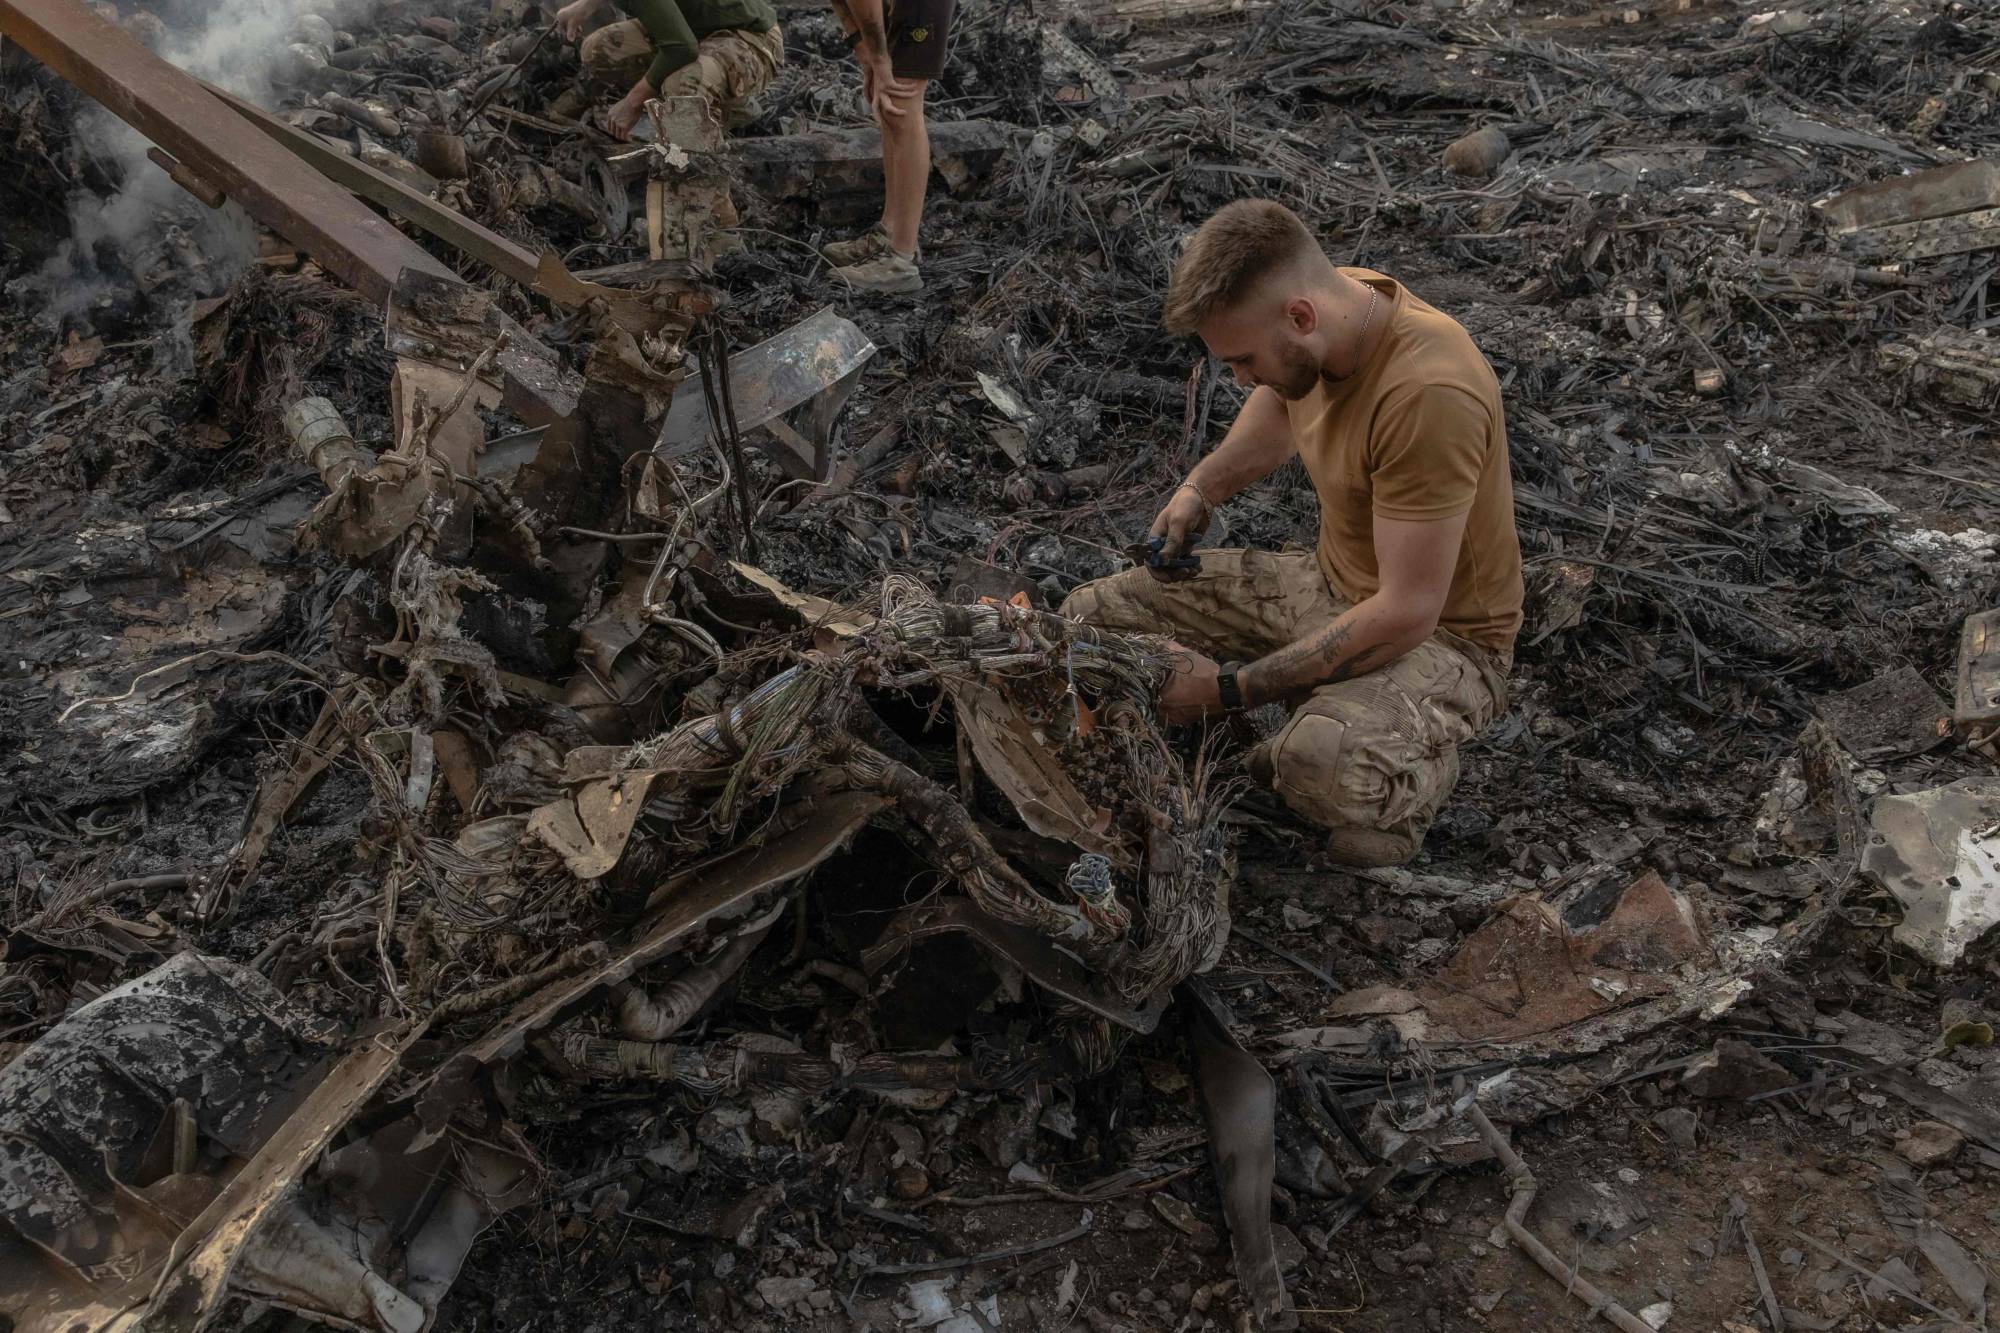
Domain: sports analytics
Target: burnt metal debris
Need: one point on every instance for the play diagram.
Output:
(547, 785)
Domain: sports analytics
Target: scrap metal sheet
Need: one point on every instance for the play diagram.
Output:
(771, 379)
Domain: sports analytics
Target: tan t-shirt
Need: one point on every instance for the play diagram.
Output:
(1416, 433)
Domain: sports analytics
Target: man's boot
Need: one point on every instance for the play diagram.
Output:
(1376, 848)
(870, 244)
(889, 274)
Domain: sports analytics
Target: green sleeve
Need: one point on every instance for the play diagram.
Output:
(674, 43)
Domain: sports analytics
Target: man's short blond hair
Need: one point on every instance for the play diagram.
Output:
(1233, 251)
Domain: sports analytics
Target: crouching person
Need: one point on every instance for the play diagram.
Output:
(1392, 641)
(727, 51)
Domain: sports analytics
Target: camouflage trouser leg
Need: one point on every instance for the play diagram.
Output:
(733, 67)
(615, 56)
(1370, 759)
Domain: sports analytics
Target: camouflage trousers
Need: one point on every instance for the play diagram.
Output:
(1370, 759)
(732, 67)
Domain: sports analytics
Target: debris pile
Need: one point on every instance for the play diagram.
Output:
(544, 751)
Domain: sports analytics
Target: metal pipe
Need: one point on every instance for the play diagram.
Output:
(1521, 1183)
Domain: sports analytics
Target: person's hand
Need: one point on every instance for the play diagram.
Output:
(571, 18)
(1184, 514)
(622, 117)
(885, 94)
(1190, 692)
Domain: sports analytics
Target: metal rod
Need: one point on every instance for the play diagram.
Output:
(1521, 1182)
(493, 90)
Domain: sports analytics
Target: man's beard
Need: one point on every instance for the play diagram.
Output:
(1300, 373)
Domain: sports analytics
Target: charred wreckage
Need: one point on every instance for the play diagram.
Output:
(643, 829)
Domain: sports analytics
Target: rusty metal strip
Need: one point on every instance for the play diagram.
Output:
(640, 311)
(173, 110)
(1240, 1103)
(412, 205)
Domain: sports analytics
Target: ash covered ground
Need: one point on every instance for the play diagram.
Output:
(1702, 932)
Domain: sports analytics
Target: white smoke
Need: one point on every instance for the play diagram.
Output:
(151, 233)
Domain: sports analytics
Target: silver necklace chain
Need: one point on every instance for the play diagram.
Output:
(1361, 341)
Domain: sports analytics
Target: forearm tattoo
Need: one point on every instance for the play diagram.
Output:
(1323, 659)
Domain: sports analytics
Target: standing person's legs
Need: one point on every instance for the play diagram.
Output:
(886, 259)
(918, 33)
(906, 165)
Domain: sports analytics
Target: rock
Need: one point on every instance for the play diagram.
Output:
(1733, 1071)
(1657, 1314)
(1291, 1253)
(1892, 1279)
(779, 1117)
(1419, 1255)
(1176, 1214)
(928, 1303)
(1678, 1125)
(1478, 154)
(783, 1291)
(1930, 1143)
(1386, 1263)
(910, 1181)
(677, 1155)
(1387, 934)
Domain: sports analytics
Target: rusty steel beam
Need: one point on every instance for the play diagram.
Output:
(378, 187)
(216, 145)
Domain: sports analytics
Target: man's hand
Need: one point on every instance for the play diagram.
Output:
(1190, 692)
(571, 18)
(1185, 514)
(881, 89)
(622, 117)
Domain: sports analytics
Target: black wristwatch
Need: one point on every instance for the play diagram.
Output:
(853, 39)
(1226, 686)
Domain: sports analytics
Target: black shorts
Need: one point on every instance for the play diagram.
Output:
(918, 30)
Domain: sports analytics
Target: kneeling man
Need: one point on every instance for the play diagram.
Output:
(1391, 643)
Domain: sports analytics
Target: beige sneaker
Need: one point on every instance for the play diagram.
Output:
(870, 244)
(891, 273)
